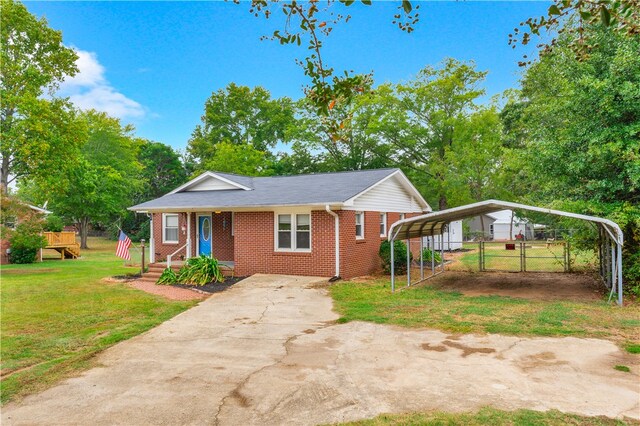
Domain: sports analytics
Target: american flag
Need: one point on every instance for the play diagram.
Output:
(123, 246)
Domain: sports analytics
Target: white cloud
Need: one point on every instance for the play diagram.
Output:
(89, 89)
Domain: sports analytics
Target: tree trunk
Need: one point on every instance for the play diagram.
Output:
(511, 227)
(442, 202)
(4, 175)
(84, 232)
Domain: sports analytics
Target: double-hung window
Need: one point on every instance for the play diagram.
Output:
(293, 232)
(359, 225)
(169, 228)
(383, 224)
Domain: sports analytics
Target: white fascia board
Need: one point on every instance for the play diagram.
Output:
(406, 184)
(271, 207)
(206, 175)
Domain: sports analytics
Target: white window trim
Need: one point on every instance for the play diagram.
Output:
(384, 222)
(294, 223)
(164, 227)
(360, 237)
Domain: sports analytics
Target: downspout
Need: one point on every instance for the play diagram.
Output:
(337, 238)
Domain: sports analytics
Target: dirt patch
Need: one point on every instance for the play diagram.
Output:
(527, 285)
(120, 279)
(434, 348)
(167, 291)
(468, 350)
(242, 400)
(541, 359)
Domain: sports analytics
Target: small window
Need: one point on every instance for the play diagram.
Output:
(401, 216)
(170, 228)
(284, 231)
(359, 225)
(303, 231)
(383, 224)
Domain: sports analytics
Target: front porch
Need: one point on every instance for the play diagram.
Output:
(178, 236)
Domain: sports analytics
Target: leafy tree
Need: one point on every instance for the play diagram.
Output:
(241, 116)
(36, 132)
(242, 159)
(162, 169)
(423, 120)
(98, 187)
(476, 158)
(352, 147)
(581, 122)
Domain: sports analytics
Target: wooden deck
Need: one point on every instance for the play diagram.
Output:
(64, 243)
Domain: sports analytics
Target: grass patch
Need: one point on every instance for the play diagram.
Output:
(57, 315)
(633, 348)
(425, 306)
(489, 416)
(622, 368)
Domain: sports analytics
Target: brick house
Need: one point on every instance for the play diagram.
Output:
(328, 224)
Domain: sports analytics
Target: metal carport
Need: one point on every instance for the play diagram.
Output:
(433, 224)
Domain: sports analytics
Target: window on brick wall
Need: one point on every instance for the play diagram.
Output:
(169, 228)
(359, 225)
(401, 216)
(383, 224)
(293, 232)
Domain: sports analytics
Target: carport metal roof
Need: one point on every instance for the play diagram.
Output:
(434, 223)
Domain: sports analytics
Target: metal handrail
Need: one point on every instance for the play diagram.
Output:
(174, 253)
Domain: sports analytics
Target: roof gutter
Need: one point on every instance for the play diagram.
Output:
(337, 237)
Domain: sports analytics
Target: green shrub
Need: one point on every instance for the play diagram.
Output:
(196, 271)
(200, 271)
(25, 242)
(53, 223)
(426, 256)
(399, 254)
(168, 277)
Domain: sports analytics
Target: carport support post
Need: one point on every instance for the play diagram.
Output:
(408, 262)
(433, 255)
(619, 274)
(421, 259)
(441, 252)
(393, 272)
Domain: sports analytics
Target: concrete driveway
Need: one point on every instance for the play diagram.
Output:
(268, 351)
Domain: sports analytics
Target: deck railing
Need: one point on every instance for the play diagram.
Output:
(59, 238)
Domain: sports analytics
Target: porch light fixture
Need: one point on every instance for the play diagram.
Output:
(218, 212)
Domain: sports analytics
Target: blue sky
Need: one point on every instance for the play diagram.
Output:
(154, 64)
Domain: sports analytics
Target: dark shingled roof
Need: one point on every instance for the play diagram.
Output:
(321, 188)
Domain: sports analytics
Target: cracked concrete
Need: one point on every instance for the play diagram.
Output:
(268, 351)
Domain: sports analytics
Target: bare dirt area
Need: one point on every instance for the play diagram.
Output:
(269, 351)
(526, 285)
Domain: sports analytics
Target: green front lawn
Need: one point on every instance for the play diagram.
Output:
(57, 315)
(489, 416)
(425, 306)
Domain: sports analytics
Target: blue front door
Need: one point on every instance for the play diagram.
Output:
(204, 235)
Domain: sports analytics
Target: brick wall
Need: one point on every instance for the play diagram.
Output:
(222, 242)
(254, 246)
